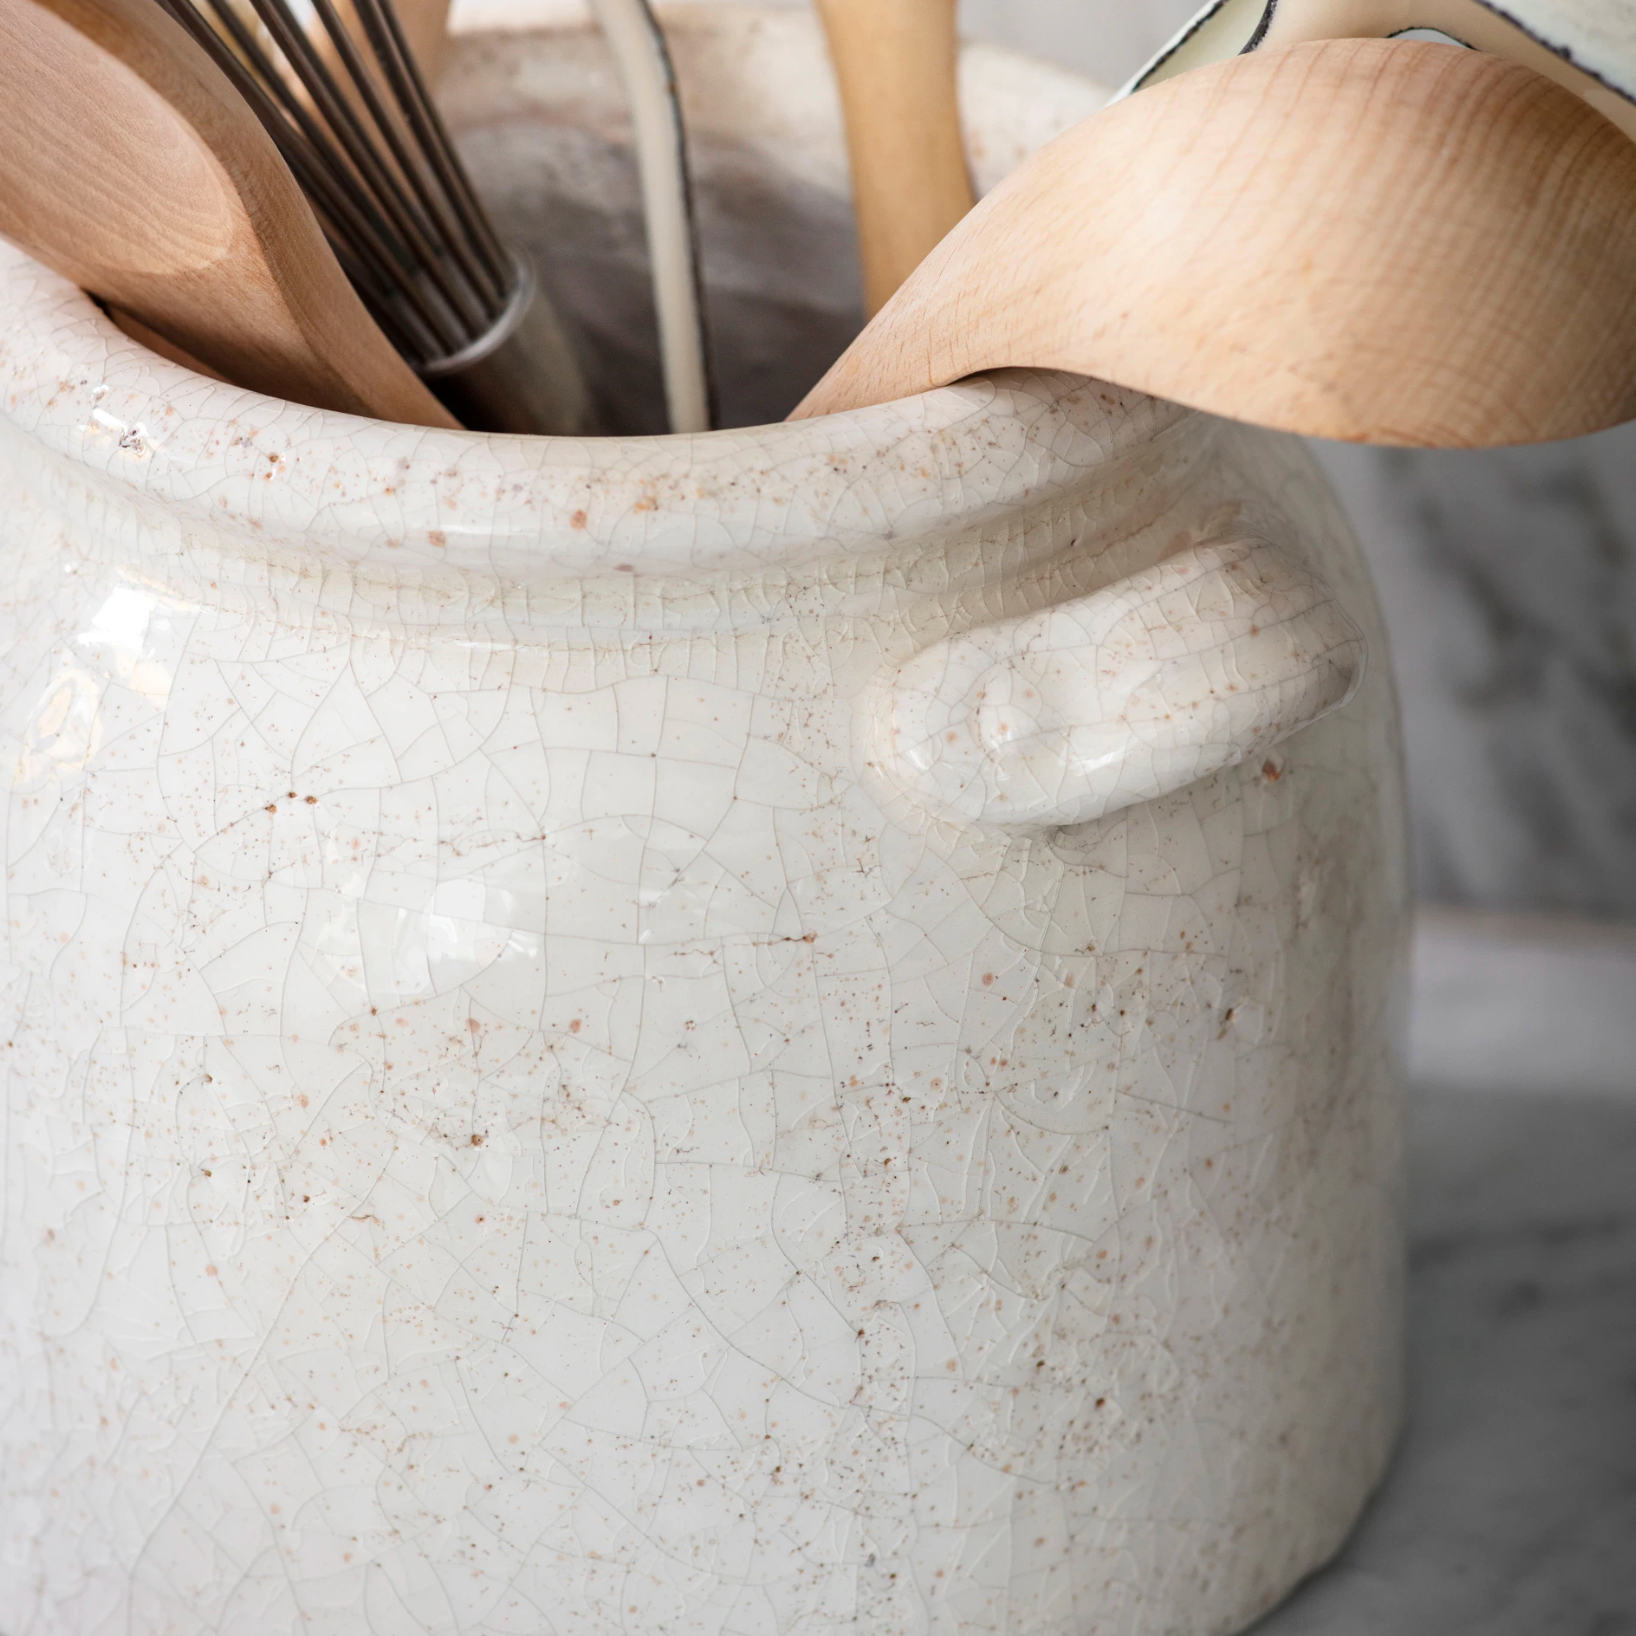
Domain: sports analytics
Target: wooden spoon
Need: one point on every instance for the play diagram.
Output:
(1384, 241)
(897, 62)
(134, 169)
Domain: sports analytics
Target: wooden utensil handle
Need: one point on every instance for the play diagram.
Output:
(137, 171)
(160, 345)
(897, 63)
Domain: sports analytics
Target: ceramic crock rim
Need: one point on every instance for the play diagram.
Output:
(216, 463)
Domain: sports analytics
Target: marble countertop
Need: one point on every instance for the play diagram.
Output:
(1511, 1509)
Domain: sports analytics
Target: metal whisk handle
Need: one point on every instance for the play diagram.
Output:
(520, 375)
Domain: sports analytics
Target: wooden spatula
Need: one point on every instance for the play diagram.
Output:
(1384, 241)
(133, 168)
(897, 62)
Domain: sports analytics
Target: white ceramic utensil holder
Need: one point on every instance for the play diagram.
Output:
(782, 1032)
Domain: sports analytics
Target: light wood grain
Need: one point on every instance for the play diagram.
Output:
(166, 348)
(1384, 241)
(897, 64)
(133, 168)
(1473, 24)
(425, 25)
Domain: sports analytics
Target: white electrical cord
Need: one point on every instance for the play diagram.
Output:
(649, 81)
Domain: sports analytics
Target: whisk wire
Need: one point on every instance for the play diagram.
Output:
(379, 269)
(346, 212)
(439, 238)
(392, 48)
(355, 123)
(335, 108)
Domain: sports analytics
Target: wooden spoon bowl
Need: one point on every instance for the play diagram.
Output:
(134, 169)
(1382, 241)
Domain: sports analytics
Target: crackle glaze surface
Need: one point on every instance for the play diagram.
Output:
(558, 1079)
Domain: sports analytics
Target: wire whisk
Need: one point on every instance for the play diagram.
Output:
(352, 117)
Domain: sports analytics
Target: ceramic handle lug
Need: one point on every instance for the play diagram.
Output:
(1063, 717)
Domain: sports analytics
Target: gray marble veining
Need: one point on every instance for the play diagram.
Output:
(1513, 1005)
(1511, 1508)
(1509, 581)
